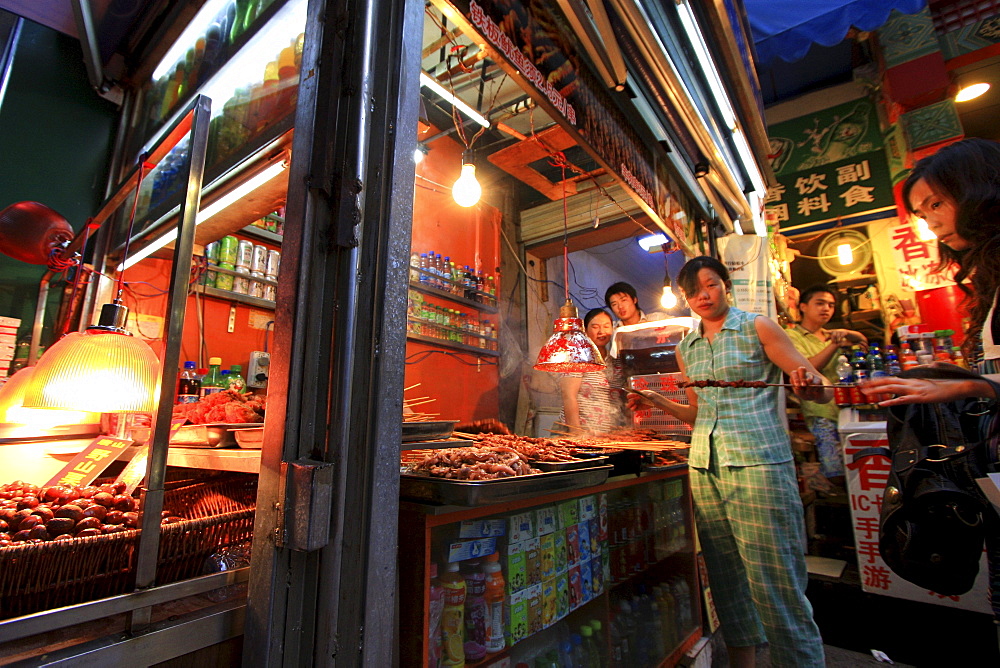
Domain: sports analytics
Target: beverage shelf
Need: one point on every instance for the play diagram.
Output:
(488, 305)
(262, 234)
(236, 296)
(444, 343)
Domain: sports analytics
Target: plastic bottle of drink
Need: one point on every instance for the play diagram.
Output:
(475, 612)
(876, 365)
(423, 265)
(435, 610)
(860, 365)
(591, 658)
(453, 617)
(188, 386)
(958, 358)
(494, 595)
(565, 654)
(237, 382)
(213, 381)
(601, 641)
(892, 366)
(845, 377)
(414, 265)
(579, 657)
(907, 358)
(628, 632)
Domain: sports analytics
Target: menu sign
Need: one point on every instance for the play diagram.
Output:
(866, 481)
(95, 458)
(535, 43)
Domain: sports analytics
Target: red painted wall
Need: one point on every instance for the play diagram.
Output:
(462, 390)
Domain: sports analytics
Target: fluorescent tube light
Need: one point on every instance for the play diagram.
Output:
(646, 243)
(445, 94)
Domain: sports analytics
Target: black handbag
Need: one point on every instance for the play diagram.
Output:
(932, 523)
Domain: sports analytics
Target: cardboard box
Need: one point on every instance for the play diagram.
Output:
(586, 581)
(562, 596)
(593, 525)
(575, 587)
(547, 550)
(583, 539)
(522, 527)
(481, 528)
(597, 574)
(545, 521)
(471, 549)
(535, 614)
(516, 617)
(588, 507)
(572, 545)
(6, 321)
(602, 516)
(533, 561)
(569, 512)
(514, 568)
(549, 614)
(560, 547)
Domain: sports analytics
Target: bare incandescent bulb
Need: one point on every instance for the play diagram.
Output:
(467, 190)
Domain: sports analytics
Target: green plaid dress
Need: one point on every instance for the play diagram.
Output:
(747, 506)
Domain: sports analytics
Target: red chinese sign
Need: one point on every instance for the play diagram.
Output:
(95, 458)
(866, 481)
(916, 260)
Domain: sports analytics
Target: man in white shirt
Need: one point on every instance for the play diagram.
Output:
(622, 300)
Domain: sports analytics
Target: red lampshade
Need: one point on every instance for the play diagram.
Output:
(569, 349)
(29, 232)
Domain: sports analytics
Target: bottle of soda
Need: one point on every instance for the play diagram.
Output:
(845, 379)
(188, 385)
(213, 381)
(236, 381)
(860, 368)
(876, 365)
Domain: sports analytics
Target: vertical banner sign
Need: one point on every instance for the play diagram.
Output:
(535, 44)
(866, 481)
(916, 260)
(829, 165)
(746, 258)
(95, 458)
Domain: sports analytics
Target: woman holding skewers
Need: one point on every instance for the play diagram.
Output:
(747, 506)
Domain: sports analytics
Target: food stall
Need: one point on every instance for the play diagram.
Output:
(292, 159)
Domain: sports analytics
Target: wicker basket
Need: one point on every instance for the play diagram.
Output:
(218, 513)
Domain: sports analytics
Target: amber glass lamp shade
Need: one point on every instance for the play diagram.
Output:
(103, 369)
(569, 349)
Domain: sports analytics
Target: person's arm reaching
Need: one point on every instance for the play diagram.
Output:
(570, 387)
(805, 379)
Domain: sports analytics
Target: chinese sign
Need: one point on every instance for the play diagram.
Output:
(828, 165)
(86, 466)
(916, 260)
(866, 481)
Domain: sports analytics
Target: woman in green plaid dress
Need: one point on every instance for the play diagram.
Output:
(747, 506)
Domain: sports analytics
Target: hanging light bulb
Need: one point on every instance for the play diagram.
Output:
(103, 369)
(467, 190)
(569, 349)
(668, 300)
(845, 254)
(971, 92)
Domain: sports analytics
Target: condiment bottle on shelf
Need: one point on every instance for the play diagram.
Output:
(494, 595)
(453, 617)
(213, 381)
(435, 611)
(475, 612)
(236, 381)
(958, 358)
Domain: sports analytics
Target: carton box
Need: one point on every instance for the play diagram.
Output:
(471, 549)
(583, 538)
(575, 587)
(481, 528)
(545, 521)
(595, 535)
(562, 596)
(602, 516)
(547, 550)
(535, 614)
(569, 512)
(514, 567)
(522, 527)
(597, 574)
(549, 615)
(8, 339)
(6, 321)
(560, 547)
(533, 561)
(572, 545)
(586, 581)
(588, 507)
(516, 617)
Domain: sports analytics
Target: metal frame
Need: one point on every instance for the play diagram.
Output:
(337, 370)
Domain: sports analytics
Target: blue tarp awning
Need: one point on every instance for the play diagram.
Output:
(787, 28)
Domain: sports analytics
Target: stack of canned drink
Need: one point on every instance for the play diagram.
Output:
(254, 267)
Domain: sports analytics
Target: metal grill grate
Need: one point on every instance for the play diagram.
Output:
(656, 419)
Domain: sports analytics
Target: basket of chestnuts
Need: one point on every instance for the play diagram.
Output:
(64, 545)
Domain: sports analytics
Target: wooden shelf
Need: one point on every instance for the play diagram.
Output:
(444, 343)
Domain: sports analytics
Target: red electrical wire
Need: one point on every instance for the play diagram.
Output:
(131, 221)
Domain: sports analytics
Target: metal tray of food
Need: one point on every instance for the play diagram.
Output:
(571, 465)
(428, 431)
(486, 492)
(213, 435)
